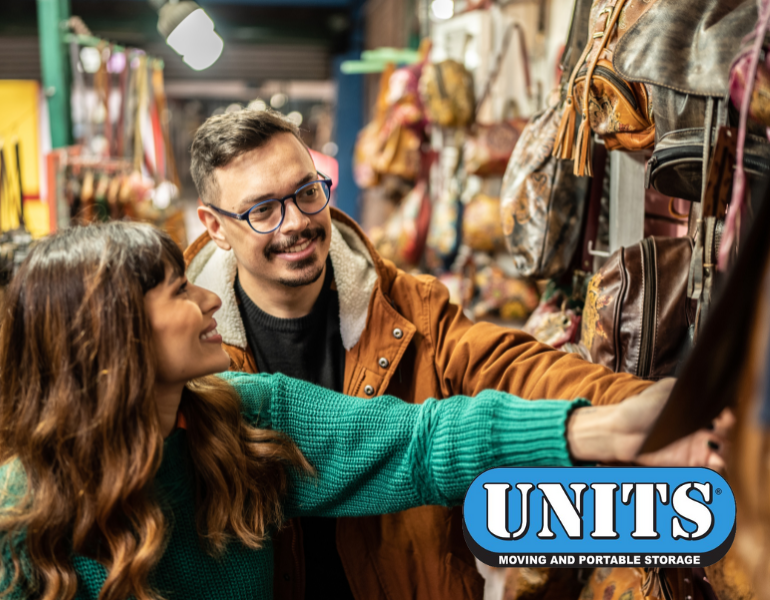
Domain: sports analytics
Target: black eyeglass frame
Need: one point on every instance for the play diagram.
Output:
(244, 216)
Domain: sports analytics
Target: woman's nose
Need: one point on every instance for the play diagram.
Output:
(208, 301)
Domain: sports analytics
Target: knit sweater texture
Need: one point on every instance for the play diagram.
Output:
(372, 456)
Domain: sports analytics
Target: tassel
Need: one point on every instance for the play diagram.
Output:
(565, 135)
(583, 145)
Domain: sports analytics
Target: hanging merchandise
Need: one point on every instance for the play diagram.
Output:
(688, 68)
(448, 95)
(499, 294)
(402, 238)
(446, 223)
(122, 166)
(555, 321)
(637, 316)
(489, 146)
(15, 243)
(598, 100)
(390, 144)
(481, 227)
(752, 98)
(542, 201)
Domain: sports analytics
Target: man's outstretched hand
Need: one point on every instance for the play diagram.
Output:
(616, 434)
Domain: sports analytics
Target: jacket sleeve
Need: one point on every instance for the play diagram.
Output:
(383, 455)
(472, 357)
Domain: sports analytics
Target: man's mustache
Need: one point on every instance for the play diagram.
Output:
(308, 234)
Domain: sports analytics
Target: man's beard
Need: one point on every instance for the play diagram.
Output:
(305, 274)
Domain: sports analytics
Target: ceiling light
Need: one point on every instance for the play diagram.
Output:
(189, 31)
(442, 9)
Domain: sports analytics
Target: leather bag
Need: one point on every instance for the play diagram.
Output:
(488, 149)
(683, 52)
(637, 315)
(542, 201)
(489, 146)
(620, 112)
(448, 94)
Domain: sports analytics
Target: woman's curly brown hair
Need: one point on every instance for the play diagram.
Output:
(78, 419)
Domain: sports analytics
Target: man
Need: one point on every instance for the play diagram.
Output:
(305, 293)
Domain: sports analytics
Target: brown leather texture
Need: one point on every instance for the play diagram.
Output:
(618, 111)
(637, 314)
(685, 46)
(676, 166)
(683, 52)
(542, 201)
(421, 552)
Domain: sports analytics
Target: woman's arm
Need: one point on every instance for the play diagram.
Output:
(384, 455)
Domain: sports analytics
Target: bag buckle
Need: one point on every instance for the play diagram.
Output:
(608, 10)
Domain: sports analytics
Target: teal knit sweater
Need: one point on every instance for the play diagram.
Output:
(372, 456)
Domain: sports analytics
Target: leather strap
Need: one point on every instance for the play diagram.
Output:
(582, 162)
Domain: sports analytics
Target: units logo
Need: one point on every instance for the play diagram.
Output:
(575, 517)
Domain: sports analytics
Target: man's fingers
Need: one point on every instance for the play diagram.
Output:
(724, 423)
(716, 463)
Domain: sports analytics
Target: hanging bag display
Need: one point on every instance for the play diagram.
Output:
(637, 313)
(447, 93)
(684, 51)
(599, 100)
(542, 201)
(489, 146)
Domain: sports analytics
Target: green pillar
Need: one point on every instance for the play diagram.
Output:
(51, 14)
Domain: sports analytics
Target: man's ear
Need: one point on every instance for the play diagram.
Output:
(214, 226)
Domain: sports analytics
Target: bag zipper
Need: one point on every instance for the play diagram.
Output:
(696, 152)
(648, 310)
(617, 82)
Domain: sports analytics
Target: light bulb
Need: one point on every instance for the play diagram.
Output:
(442, 9)
(197, 26)
(205, 53)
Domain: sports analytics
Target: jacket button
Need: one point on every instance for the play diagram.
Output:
(286, 577)
(383, 362)
(368, 390)
(397, 333)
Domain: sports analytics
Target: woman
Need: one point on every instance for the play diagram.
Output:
(130, 471)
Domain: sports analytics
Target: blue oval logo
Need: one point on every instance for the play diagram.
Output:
(592, 516)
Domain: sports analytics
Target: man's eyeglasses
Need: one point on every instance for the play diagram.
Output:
(267, 216)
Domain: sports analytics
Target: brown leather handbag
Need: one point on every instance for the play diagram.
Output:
(598, 100)
(637, 315)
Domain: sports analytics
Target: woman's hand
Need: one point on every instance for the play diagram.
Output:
(616, 434)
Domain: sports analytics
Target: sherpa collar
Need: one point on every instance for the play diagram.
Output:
(354, 276)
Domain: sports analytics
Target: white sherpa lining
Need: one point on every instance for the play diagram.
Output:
(354, 274)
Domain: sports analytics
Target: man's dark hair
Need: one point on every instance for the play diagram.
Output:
(224, 138)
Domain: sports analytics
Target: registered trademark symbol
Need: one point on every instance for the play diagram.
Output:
(718, 491)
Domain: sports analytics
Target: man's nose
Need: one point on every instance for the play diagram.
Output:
(293, 218)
